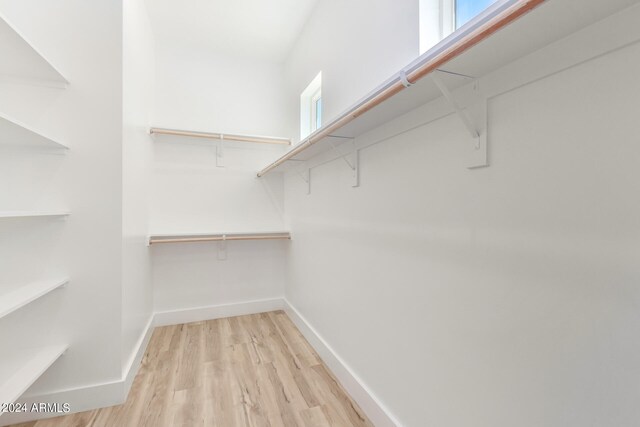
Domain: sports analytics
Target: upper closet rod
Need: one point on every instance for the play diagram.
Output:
(223, 136)
(218, 238)
(430, 61)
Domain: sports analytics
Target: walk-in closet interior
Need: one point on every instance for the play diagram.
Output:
(320, 213)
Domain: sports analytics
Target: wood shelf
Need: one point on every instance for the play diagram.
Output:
(220, 136)
(32, 214)
(27, 64)
(14, 133)
(26, 294)
(30, 370)
(218, 237)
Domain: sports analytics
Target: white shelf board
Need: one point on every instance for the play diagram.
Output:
(30, 370)
(28, 293)
(549, 22)
(23, 62)
(31, 214)
(14, 133)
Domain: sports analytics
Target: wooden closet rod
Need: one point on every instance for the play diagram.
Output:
(426, 64)
(218, 238)
(224, 136)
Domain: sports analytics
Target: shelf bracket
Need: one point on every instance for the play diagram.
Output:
(478, 157)
(222, 248)
(462, 114)
(356, 168)
(354, 163)
(306, 177)
(220, 152)
(340, 137)
(453, 73)
(473, 117)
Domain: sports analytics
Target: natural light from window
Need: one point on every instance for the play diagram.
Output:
(465, 10)
(440, 18)
(316, 110)
(311, 107)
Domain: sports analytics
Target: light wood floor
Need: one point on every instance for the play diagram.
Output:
(254, 370)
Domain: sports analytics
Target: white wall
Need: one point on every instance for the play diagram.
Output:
(137, 154)
(492, 297)
(356, 45)
(201, 89)
(198, 89)
(84, 40)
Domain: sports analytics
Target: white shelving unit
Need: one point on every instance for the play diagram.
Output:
(31, 369)
(32, 214)
(26, 294)
(23, 63)
(26, 63)
(218, 237)
(14, 133)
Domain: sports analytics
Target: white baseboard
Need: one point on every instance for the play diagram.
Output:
(378, 414)
(198, 314)
(132, 367)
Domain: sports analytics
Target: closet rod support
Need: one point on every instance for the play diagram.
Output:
(462, 114)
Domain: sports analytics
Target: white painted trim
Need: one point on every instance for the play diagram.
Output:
(197, 314)
(129, 374)
(377, 412)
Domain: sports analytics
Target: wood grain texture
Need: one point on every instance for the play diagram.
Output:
(255, 370)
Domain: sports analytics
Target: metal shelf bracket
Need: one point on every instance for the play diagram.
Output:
(222, 249)
(474, 118)
(220, 152)
(306, 177)
(352, 159)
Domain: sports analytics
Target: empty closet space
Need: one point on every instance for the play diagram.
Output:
(319, 213)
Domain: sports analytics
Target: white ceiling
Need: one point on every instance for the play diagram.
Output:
(265, 29)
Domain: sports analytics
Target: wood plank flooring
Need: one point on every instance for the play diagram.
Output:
(254, 370)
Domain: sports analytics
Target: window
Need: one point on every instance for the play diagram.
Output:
(439, 18)
(311, 107)
(316, 110)
(465, 10)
